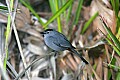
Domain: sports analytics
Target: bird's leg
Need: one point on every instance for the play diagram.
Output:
(55, 53)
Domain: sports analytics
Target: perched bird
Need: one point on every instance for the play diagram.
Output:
(58, 42)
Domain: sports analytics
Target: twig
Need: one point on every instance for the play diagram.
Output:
(16, 34)
(21, 74)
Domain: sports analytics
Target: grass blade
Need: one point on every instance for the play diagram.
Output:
(76, 19)
(85, 27)
(58, 18)
(62, 9)
(69, 12)
(52, 6)
(115, 43)
(10, 6)
(115, 5)
(113, 37)
(32, 10)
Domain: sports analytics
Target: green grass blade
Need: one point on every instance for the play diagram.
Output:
(6, 40)
(115, 5)
(118, 76)
(113, 37)
(62, 3)
(62, 9)
(58, 18)
(77, 14)
(111, 43)
(69, 12)
(111, 66)
(7, 33)
(32, 10)
(118, 34)
(114, 47)
(52, 6)
(85, 27)
(3, 7)
(118, 24)
(115, 42)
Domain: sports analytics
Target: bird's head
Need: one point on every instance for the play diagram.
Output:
(47, 32)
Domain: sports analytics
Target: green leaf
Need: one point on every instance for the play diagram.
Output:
(85, 27)
(58, 18)
(62, 9)
(69, 12)
(111, 66)
(52, 6)
(7, 33)
(113, 37)
(77, 14)
(118, 76)
(4, 7)
(115, 5)
(116, 44)
(32, 10)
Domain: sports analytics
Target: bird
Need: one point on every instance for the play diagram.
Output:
(58, 42)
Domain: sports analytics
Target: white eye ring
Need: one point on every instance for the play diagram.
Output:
(48, 32)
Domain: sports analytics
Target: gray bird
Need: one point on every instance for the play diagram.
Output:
(58, 42)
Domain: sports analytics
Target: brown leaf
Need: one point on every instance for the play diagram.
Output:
(22, 17)
(97, 6)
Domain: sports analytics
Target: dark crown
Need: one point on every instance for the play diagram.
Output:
(49, 30)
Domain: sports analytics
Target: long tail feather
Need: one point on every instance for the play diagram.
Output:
(83, 59)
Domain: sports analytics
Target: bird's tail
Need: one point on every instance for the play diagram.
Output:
(83, 59)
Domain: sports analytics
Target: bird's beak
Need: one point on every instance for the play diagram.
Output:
(42, 33)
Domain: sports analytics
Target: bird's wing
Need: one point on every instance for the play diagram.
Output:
(59, 41)
(63, 42)
(54, 40)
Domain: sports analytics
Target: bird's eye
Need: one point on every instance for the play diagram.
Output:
(47, 32)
